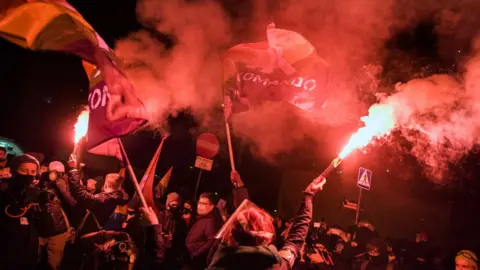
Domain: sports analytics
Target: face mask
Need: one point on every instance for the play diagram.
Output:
(20, 182)
(175, 210)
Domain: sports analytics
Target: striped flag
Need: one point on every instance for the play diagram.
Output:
(284, 67)
(146, 184)
(54, 25)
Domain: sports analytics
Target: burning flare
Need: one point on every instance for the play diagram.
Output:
(81, 126)
(379, 122)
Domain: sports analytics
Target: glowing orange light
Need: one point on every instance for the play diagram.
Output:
(81, 126)
(379, 122)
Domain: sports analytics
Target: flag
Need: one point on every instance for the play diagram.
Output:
(108, 148)
(285, 67)
(118, 218)
(148, 189)
(101, 129)
(161, 187)
(54, 25)
(147, 180)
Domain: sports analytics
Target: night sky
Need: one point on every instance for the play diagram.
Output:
(42, 93)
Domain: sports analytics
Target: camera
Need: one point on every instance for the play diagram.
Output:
(119, 252)
(45, 197)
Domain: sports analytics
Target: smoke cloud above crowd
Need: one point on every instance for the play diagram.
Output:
(439, 115)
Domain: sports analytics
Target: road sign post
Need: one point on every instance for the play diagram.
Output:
(358, 205)
(364, 181)
(207, 148)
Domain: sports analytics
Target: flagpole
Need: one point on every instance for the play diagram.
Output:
(227, 128)
(132, 175)
(229, 142)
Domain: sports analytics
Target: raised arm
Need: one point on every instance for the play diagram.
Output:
(301, 222)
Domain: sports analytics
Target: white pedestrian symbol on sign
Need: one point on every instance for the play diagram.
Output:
(364, 180)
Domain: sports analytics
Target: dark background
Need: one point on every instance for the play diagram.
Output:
(42, 93)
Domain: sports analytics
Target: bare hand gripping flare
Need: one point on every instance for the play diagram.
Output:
(379, 123)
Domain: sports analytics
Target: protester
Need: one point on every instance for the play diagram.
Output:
(200, 238)
(466, 260)
(248, 243)
(51, 222)
(19, 240)
(174, 231)
(103, 204)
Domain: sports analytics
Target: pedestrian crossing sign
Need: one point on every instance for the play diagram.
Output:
(364, 180)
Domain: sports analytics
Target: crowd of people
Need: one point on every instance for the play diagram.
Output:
(53, 216)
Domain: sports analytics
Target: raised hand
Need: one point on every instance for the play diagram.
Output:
(316, 185)
(150, 215)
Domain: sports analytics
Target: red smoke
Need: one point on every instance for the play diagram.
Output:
(439, 114)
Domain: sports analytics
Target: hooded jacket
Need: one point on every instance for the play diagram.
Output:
(267, 257)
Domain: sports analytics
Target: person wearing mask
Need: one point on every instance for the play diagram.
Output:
(51, 222)
(200, 238)
(248, 238)
(188, 214)
(174, 230)
(466, 260)
(19, 240)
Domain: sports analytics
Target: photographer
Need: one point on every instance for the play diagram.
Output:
(50, 220)
(18, 236)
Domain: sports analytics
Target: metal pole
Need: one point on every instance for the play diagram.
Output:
(198, 184)
(358, 205)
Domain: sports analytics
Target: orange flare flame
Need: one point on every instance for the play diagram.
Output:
(379, 122)
(81, 126)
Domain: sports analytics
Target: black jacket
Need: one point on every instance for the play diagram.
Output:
(201, 238)
(102, 204)
(267, 257)
(50, 220)
(174, 249)
(18, 237)
(155, 247)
